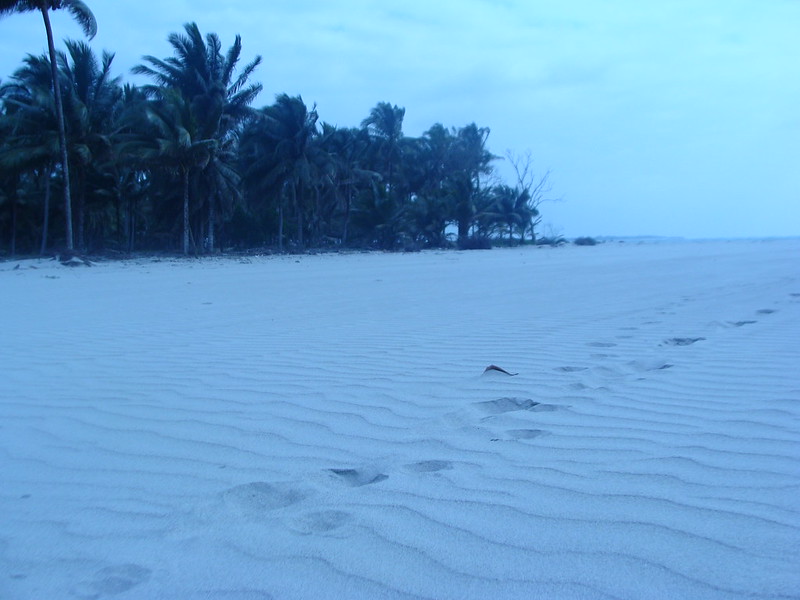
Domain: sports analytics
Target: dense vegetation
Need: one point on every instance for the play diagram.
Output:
(186, 162)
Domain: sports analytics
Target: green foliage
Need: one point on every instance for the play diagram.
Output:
(584, 241)
(186, 163)
(475, 243)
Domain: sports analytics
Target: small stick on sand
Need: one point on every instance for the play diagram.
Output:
(496, 368)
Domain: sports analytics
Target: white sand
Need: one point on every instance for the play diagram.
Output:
(320, 427)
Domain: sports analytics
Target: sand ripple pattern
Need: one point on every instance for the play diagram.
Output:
(320, 426)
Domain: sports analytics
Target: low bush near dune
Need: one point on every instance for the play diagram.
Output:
(585, 241)
(550, 241)
(475, 243)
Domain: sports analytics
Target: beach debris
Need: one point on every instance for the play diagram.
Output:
(505, 405)
(68, 259)
(743, 323)
(683, 341)
(500, 369)
(359, 477)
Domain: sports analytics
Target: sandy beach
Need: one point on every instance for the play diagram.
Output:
(321, 426)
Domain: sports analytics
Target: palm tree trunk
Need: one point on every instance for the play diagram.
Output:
(280, 227)
(131, 223)
(81, 185)
(211, 217)
(62, 135)
(46, 219)
(186, 211)
(300, 224)
(346, 217)
(463, 229)
(13, 223)
(118, 209)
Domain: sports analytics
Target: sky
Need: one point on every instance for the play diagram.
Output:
(670, 118)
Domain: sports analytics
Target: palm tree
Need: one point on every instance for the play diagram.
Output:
(509, 210)
(220, 100)
(127, 168)
(346, 149)
(84, 17)
(91, 100)
(280, 154)
(385, 127)
(29, 129)
(473, 161)
(174, 143)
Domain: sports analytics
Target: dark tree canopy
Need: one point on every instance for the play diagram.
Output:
(185, 162)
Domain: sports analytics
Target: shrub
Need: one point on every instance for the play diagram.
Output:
(585, 241)
(475, 243)
(550, 241)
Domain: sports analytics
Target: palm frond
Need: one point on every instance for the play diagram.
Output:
(81, 13)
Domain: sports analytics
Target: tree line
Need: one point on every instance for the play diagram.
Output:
(186, 163)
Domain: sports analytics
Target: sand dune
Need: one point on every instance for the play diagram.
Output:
(322, 426)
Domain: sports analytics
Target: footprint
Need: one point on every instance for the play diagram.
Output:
(358, 477)
(526, 434)
(683, 341)
(111, 581)
(504, 405)
(651, 365)
(570, 369)
(430, 466)
(601, 344)
(742, 323)
(254, 499)
(766, 311)
(321, 521)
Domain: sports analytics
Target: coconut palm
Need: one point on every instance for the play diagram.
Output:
(279, 151)
(174, 143)
(385, 127)
(128, 168)
(91, 100)
(473, 161)
(219, 98)
(84, 17)
(509, 210)
(29, 130)
(346, 149)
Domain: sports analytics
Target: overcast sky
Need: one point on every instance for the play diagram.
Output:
(670, 117)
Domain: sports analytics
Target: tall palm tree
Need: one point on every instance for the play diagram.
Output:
(280, 152)
(91, 99)
(84, 17)
(473, 161)
(29, 130)
(127, 168)
(174, 143)
(220, 99)
(346, 149)
(509, 210)
(385, 127)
